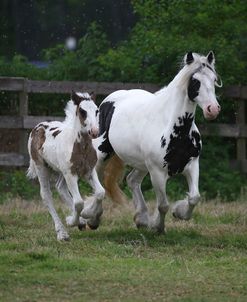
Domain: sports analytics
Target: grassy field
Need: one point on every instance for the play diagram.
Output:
(201, 260)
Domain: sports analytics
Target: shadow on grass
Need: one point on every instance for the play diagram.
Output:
(174, 237)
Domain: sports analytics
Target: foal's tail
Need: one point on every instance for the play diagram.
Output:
(31, 172)
(113, 174)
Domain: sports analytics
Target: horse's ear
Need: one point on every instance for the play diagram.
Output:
(93, 96)
(210, 57)
(75, 98)
(189, 58)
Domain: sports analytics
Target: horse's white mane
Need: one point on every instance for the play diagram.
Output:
(188, 70)
(183, 76)
(84, 95)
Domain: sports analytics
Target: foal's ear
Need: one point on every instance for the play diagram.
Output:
(189, 58)
(75, 98)
(93, 96)
(211, 58)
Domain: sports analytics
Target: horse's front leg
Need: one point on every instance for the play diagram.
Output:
(157, 221)
(66, 197)
(183, 209)
(72, 184)
(93, 206)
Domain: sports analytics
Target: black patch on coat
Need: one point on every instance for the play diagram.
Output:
(193, 88)
(183, 145)
(41, 125)
(55, 133)
(189, 58)
(163, 141)
(106, 111)
(83, 113)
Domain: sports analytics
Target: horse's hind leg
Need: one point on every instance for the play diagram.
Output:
(45, 192)
(63, 192)
(158, 179)
(134, 180)
(66, 197)
(183, 209)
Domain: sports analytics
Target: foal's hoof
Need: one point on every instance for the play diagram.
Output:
(94, 223)
(70, 221)
(62, 236)
(82, 227)
(92, 226)
(82, 224)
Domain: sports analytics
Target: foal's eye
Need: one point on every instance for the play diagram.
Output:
(203, 64)
(83, 113)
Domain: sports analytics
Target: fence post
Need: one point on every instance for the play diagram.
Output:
(241, 141)
(23, 111)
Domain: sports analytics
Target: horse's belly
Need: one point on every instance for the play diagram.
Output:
(128, 148)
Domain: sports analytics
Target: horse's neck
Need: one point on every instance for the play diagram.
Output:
(173, 103)
(85, 140)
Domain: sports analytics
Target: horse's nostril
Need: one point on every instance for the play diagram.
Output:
(208, 108)
(219, 108)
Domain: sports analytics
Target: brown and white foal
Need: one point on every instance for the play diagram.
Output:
(66, 147)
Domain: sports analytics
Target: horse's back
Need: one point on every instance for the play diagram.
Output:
(126, 95)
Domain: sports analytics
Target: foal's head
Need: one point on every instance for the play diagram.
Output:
(202, 82)
(87, 112)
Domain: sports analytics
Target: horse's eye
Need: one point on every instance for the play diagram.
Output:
(203, 64)
(83, 113)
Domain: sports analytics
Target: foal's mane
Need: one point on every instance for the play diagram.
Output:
(70, 109)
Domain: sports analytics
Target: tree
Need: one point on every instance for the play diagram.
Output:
(167, 29)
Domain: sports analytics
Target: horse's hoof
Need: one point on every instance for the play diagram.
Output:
(141, 222)
(174, 215)
(141, 226)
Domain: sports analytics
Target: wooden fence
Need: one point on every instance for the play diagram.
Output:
(24, 122)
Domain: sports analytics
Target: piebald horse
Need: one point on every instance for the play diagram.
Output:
(156, 134)
(66, 148)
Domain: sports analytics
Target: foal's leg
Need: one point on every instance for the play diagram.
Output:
(45, 192)
(72, 184)
(66, 197)
(159, 179)
(134, 180)
(93, 207)
(183, 209)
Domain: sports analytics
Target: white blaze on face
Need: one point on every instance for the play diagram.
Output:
(88, 113)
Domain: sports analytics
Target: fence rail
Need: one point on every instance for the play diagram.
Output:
(23, 121)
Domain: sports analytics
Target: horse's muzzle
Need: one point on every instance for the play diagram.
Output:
(210, 112)
(93, 132)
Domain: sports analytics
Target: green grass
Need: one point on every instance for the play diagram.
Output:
(204, 259)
